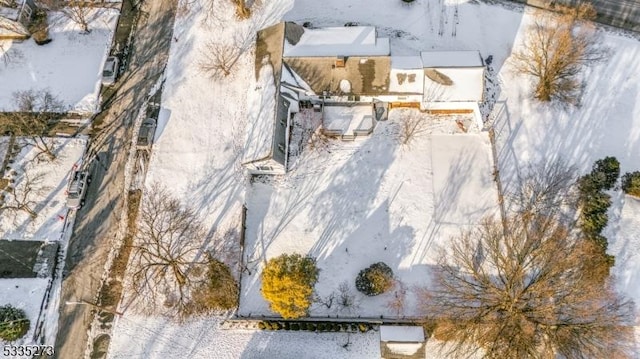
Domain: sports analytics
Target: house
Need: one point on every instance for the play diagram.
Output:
(349, 74)
(15, 19)
(402, 342)
(12, 30)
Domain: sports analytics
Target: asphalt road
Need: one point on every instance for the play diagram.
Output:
(97, 222)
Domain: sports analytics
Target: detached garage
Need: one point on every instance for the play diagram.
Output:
(402, 342)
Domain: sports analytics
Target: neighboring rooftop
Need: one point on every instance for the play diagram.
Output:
(395, 333)
(338, 41)
(451, 59)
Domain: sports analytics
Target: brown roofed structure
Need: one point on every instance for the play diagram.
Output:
(366, 75)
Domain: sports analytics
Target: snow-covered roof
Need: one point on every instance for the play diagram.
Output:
(467, 85)
(451, 59)
(260, 125)
(338, 41)
(11, 28)
(407, 75)
(405, 333)
(406, 62)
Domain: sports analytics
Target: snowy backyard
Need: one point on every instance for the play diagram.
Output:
(354, 203)
(43, 185)
(70, 66)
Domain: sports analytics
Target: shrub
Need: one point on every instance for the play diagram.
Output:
(375, 280)
(287, 284)
(593, 217)
(13, 323)
(631, 183)
(261, 326)
(294, 326)
(312, 327)
(606, 171)
(321, 327)
(589, 184)
(363, 328)
(221, 290)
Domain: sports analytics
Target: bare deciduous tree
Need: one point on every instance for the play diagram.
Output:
(242, 11)
(411, 127)
(326, 301)
(346, 299)
(78, 11)
(21, 194)
(167, 259)
(10, 54)
(397, 302)
(522, 293)
(220, 58)
(37, 112)
(545, 188)
(555, 50)
(414, 125)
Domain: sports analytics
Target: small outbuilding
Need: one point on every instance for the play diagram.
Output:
(402, 342)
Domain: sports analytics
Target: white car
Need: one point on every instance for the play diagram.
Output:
(77, 189)
(146, 133)
(110, 71)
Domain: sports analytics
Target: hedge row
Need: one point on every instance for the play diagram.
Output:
(314, 326)
(631, 183)
(595, 203)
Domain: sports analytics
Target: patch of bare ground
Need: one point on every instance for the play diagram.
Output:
(111, 291)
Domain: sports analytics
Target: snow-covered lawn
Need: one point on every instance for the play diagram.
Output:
(49, 184)
(157, 338)
(26, 294)
(361, 200)
(70, 66)
(607, 123)
(366, 201)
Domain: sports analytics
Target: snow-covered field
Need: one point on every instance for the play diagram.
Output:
(47, 196)
(197, 150)
(371, 200)
(70, 66)
(141, 337)
(26, 294)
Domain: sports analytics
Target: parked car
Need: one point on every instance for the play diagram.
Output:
(110, 71)
(146, 133)
(77, 189)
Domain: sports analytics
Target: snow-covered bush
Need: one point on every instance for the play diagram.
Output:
(375, 280)
(631, 183)
(13, 323)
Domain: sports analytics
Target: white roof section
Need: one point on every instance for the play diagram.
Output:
(338, 41)
(404, 334)
(406, 62)
(468, 85)
(451, 59)
(406, 75)
(260, 125)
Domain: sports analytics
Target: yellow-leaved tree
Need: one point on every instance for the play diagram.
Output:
(287, 284)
